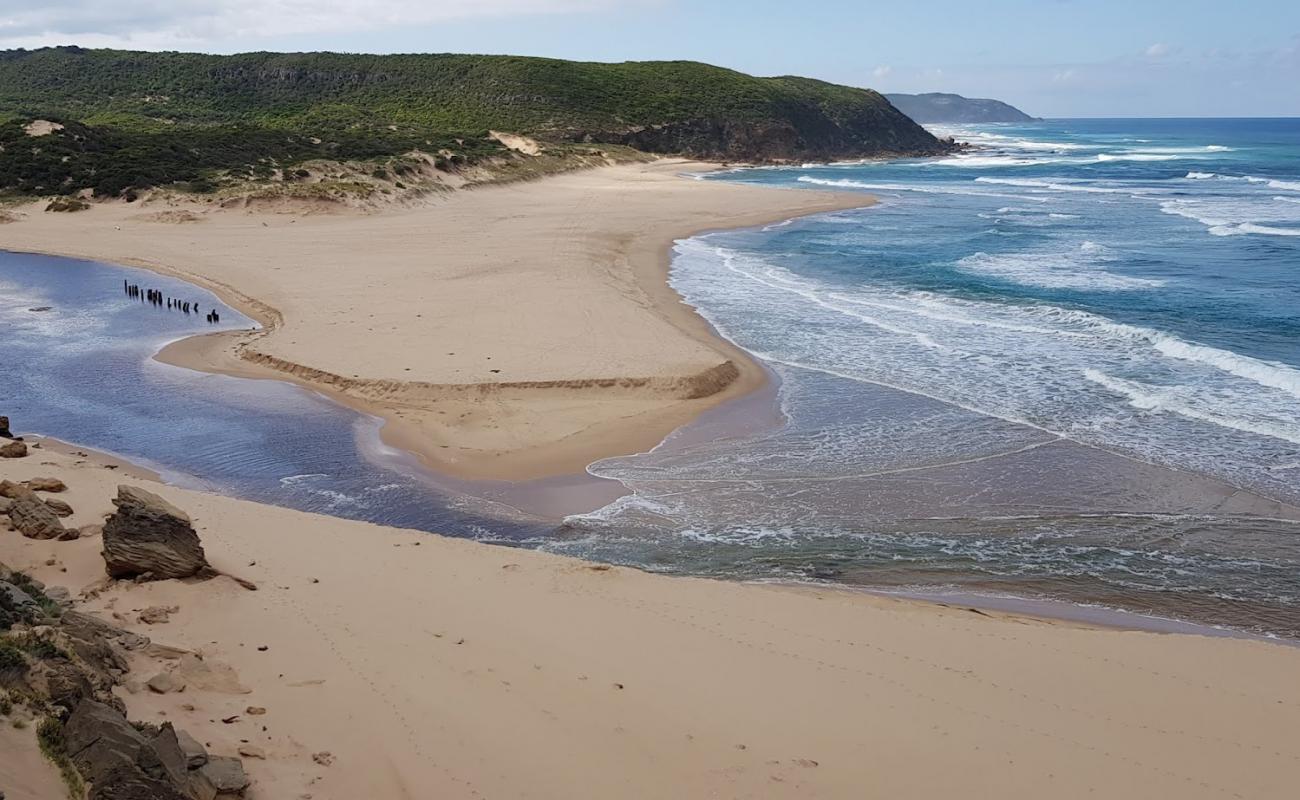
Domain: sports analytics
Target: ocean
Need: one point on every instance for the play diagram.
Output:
(1063, 366)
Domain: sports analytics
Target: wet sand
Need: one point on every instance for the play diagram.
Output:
(434, 666)
(509, 333)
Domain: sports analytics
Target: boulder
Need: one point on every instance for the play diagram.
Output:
(5, 433)
(196, 755)
(32, 518)
(124, 783)
(60, 508)
(46, 485)
(5, 505)
(220, 775)
(13, 450)
(100, 738)
(149, 536)
(12, 490)
(101, 743)
(165, 683)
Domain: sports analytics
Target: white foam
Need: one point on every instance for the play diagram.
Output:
(1057, 185)
(1150, 398)
(1080, 269)
(1272, 183)
(1103, 157)
(844, 183)
(1238, 215)
(1243, 228)
(1265, 373)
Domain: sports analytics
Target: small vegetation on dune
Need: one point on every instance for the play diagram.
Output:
(118, 121)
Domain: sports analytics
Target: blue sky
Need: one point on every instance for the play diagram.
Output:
(1051, 57)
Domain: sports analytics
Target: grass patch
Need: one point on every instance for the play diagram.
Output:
(49, 734)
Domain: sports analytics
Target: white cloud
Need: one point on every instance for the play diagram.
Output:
(1158, 50)
(156, 24)
(882, 71)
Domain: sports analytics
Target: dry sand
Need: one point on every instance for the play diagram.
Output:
(510, 332)
(433, 667)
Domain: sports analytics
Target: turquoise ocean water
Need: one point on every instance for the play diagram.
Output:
(1064, 364)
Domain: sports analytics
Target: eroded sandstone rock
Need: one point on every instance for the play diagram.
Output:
(31, 517)
(151, 537)
(46, 485)
(60, 508)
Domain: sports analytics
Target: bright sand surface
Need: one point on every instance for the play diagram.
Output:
(437, 667)
(512, 332)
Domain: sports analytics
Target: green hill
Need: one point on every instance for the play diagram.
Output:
(136, 119)
(940, 107)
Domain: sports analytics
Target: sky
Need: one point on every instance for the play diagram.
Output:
(1052, 58)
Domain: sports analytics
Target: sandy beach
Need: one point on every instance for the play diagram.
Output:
(429, 666)
(509, 332)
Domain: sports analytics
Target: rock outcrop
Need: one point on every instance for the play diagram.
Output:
(29, 514)
(13, 450)
(5, 433)
(149, 537)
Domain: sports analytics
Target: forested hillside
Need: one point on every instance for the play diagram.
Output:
(133, 120)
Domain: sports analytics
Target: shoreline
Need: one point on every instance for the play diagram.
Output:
(622, 416)
(418, 660)
(1041, 609)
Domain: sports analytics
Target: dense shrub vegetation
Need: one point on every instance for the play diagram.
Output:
(134, 119)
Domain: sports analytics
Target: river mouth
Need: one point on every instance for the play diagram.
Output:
(83, 371)
(934, 525)
(1002, 381)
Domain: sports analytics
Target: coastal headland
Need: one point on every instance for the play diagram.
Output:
(506, 332)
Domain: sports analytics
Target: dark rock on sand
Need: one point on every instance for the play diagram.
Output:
(124, 783)
(109, 751)
(60, 508)
(148, 536)
(196, 755)
(46, 485)
(5, 433)
(220, 775)
(31, 517)
(13, 450)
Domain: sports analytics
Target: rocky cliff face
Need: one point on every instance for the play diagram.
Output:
(796, 139)
(803, 125)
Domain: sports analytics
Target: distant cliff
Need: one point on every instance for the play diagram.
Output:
(114, 120)
(939, 107)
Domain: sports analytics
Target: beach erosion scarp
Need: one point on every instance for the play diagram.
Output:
(508, 332)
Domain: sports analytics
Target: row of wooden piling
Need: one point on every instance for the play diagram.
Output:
(159, 300)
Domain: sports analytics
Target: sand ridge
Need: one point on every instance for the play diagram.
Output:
(512, 332)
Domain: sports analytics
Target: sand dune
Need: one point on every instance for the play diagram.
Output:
(513, 331)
